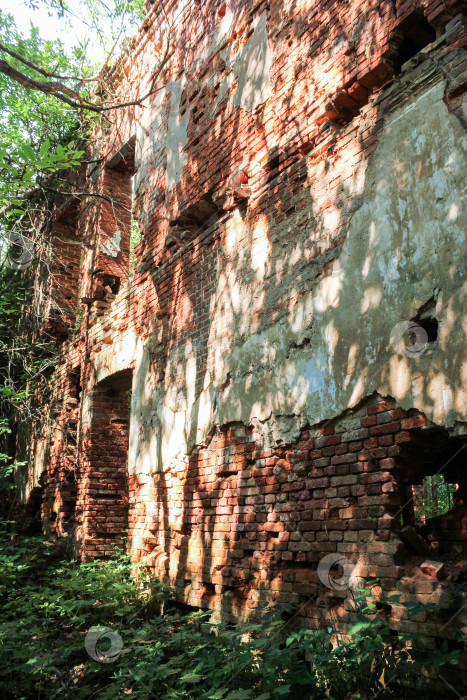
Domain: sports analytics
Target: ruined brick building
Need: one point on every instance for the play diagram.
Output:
(280, 368)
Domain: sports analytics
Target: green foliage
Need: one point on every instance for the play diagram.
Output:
(38, 137)
(42, 141)
(22, 168)
(37, 132)
(439, 499)
(135, 237)
(7, 465)
(49, 604)
(22, 363)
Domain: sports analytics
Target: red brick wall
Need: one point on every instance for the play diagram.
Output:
(238, 523)
(240, 517)
(101, 506)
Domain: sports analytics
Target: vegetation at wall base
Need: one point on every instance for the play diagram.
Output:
(49, 603)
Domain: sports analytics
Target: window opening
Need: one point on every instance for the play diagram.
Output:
(416, 34)
(433, 497)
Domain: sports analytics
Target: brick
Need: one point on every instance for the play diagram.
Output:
(433, 568)
(381, 407)
(413, 422)
(392, 427)
(343, 459)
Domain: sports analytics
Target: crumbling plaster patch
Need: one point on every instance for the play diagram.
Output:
(111, 246)
(124, 354)
(394, 260)
(120, 356)
(148, 142)
(28, 476)
(221, 31)
(149, 133)
(252, 68)
(176, 134)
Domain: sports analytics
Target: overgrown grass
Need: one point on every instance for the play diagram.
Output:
(49, 605)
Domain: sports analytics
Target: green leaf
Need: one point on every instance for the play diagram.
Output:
(190, 678)
(44, 149)
(28, 152)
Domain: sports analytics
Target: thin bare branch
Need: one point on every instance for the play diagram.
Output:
(105, 197)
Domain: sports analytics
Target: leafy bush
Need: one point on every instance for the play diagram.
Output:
(50, 604)
(439, 498)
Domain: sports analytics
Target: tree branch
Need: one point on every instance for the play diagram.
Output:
(40, 70)
(66, 94)
(105, 197)
(58, 90)
(71, 98)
